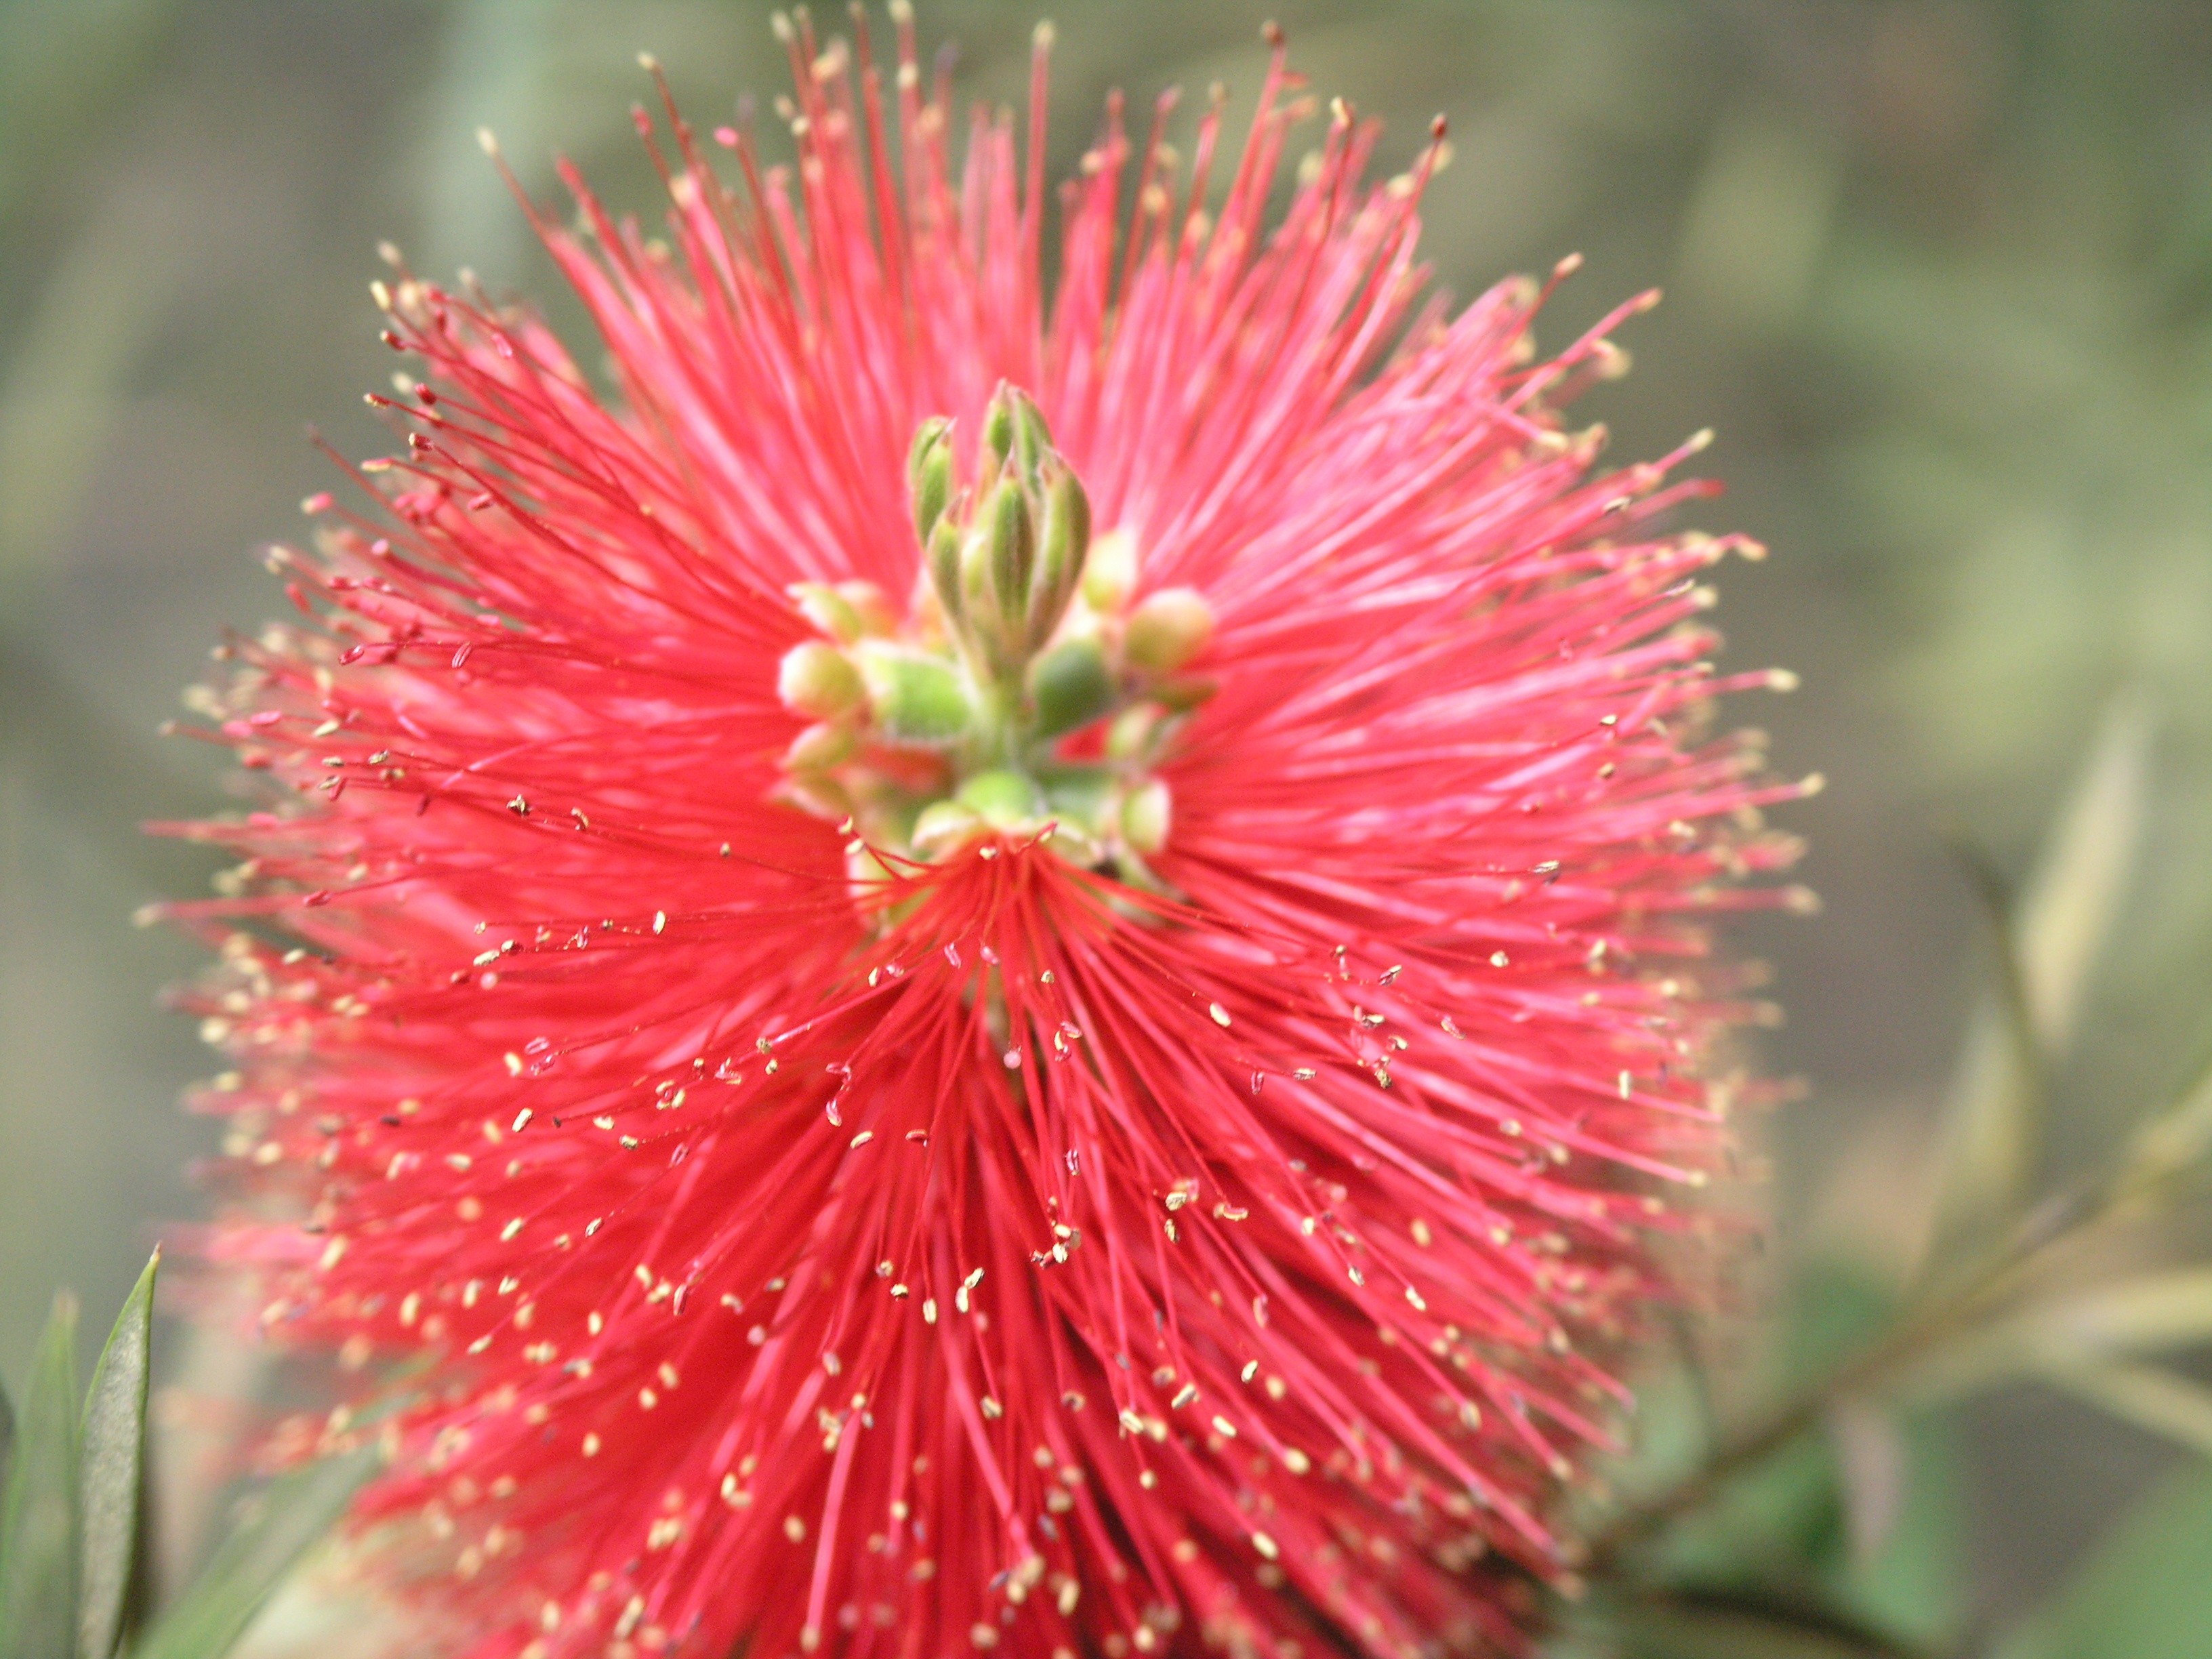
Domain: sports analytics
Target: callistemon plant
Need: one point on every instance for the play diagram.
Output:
(979, 969)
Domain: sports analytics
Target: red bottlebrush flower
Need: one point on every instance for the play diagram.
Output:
(987, 973)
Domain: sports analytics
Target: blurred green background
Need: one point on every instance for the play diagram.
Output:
(1939, 273)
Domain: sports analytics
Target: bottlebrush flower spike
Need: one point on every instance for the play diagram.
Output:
(987, 973)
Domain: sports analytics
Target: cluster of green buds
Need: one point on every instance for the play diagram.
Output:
(956, 724)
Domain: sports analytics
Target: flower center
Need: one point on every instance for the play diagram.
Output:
(1024, 696)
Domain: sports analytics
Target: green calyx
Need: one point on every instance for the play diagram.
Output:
(971, 720)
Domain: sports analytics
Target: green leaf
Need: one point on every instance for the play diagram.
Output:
(295, 1511)
(1909, 1580)
(2152, 1310)
(2173, 1140)
(39, 1522)
(114, 1460)
(1072, 686)
(2142, 1593)
(918, 699)
(2147, 1396)
(2050, 940)
(7, 1437)
(2146, 1314)
(2069, 908)
(1812, 1526)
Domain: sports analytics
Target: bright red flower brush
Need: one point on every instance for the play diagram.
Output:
(987, 972)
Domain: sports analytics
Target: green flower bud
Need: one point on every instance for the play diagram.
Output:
(878, 619)
(820, 747)
(917, 699)
(816, 794)
(1032, 439)
(1076, 844)
(943, 826)
(1070, 686)
(1109, 572)
(976, 607)
(1081, 794)
(996, 561)
(1005, 800)
(1066, 541)
(830, 612)
(999, 425)
(945, 572)
(819, 682)
(1013, 551)
(1145, 814)
(1181, 696)
(1167, 630)
(929, 475)
(1135, 733)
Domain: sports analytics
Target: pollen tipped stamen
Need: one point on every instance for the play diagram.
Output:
(1314, 1194)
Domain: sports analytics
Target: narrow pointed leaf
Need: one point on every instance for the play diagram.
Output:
(2050, 940)
(38, 1516)
(2149, 1313)
(2170, 1140)
(290, 1517)
(114, 1459)
(2161, 1402)
(2066, 911)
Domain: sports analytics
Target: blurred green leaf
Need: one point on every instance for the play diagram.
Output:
(114, 1460)
(2149, 1311)
(2051, 938)
(7, 1437)
(1877, 1550)
(1787, 1510)
(2143, 1594)
(1909, 1578)
(2162, 1401)
(39, 1523)
(2173, 1140)
(1781, 1516)
(1871, 1465)
(289, 1518)
(2147, 1314)
(2068, 909)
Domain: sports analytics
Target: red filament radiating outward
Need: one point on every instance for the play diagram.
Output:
(997, 1255)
